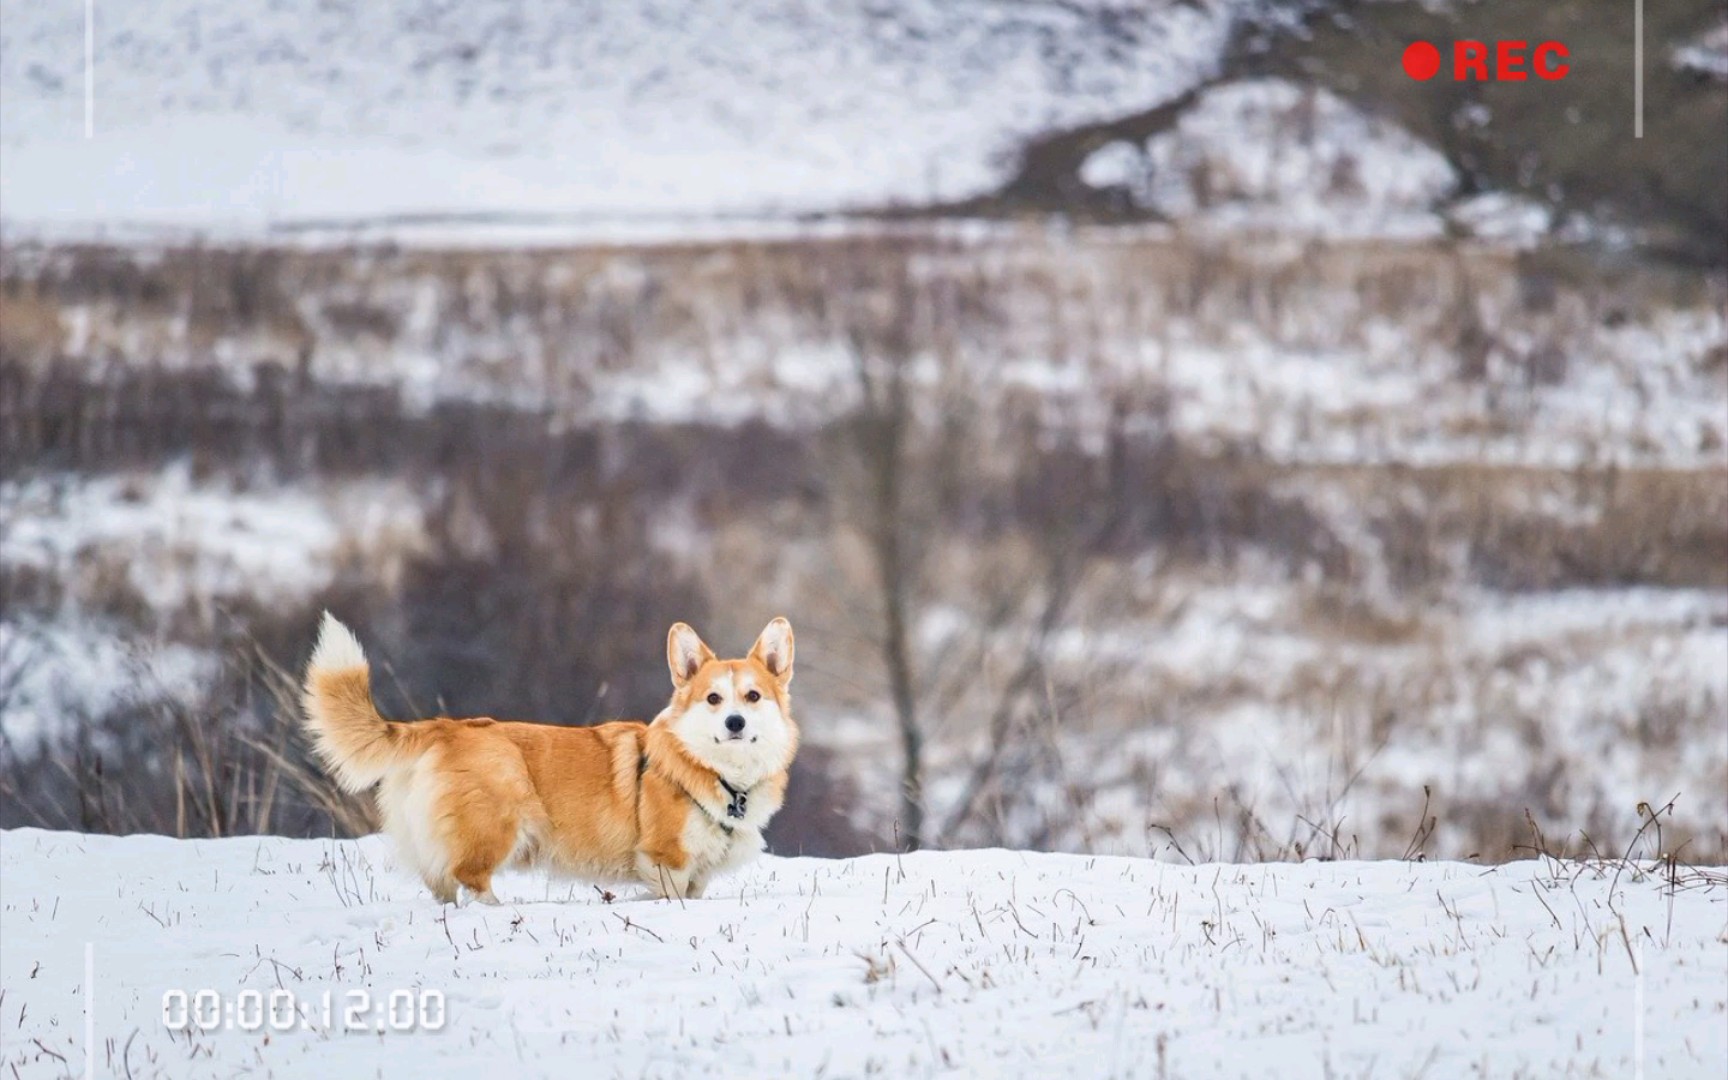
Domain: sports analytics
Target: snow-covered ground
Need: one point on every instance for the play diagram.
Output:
(959, 963)
(547, 123)
(245, 116)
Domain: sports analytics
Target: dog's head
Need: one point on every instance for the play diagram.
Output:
(734, 715)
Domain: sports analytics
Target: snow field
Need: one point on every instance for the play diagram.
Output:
(967, 963)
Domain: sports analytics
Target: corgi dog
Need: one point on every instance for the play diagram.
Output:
(670, 803)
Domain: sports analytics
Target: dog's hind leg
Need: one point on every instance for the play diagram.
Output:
(481, 840)
(480, 815)
(480, 854)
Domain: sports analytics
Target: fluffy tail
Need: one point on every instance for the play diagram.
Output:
(355, 743)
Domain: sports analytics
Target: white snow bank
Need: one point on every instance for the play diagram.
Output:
(170, 551)
(54, 675)
(980, 963)
(1707, 53)
(179, 541)
(1497, 215)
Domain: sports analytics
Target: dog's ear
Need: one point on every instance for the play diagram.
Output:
(773, 650)
(685, 653)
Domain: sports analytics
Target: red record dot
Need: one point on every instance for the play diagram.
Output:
(1421, 61)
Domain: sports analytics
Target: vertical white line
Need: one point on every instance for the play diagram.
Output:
(89, 1011)
(89, 69)
(1638, 70)
(1638, 1015)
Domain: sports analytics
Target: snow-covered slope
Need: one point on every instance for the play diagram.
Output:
(217, 114)
(965, 963)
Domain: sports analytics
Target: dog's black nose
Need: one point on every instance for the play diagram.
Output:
(734, 723)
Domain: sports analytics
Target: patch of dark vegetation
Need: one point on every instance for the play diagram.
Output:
(1646, 527)
(1569, 143)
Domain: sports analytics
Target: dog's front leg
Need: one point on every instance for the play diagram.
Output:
(667, 882)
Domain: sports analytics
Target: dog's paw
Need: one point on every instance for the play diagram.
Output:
(468, 895)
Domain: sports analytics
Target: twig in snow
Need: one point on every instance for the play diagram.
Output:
(915, 963)
(628, 925)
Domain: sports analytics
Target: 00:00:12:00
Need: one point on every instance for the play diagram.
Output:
(282, 1010)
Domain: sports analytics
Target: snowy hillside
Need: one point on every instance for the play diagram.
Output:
(1401, 515)
(241, 115)
(966, 963)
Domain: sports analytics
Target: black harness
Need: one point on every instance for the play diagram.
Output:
(734, 809)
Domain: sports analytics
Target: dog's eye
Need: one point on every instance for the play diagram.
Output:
(713, 699)
(753, 696)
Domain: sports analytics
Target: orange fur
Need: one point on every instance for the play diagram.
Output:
(618, 801)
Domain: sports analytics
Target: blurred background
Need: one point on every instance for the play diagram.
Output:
(1171, 429)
